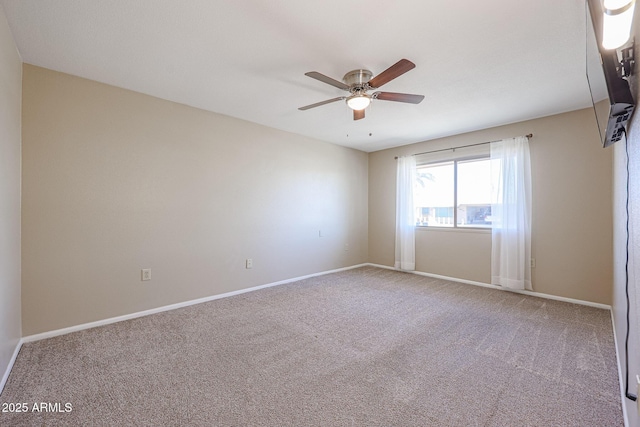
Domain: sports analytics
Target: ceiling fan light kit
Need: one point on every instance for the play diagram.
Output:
(358, 102)
(358, 82)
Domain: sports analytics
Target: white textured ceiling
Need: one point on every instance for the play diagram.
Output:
(478, 63)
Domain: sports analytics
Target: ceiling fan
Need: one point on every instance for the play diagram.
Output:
(358, 82)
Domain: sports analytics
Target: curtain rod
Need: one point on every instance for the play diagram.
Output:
(528, 136)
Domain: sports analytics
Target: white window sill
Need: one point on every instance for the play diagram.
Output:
(421, 229)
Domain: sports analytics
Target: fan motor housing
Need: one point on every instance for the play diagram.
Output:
(357, 78)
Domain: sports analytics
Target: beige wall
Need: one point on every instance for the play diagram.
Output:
(572, 220)
(619, 305)
(116, 181)
(10, 99)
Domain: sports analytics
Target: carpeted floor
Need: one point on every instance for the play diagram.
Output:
(364, 347)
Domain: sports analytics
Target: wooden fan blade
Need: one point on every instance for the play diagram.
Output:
(328, 80)
(398, 97)
(396, 70)
(317, 104)
(358, 114)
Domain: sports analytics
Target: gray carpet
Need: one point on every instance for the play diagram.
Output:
(364, 347)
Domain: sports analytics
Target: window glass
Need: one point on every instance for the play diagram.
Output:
(434, 195)
(454, 194)
(474, 193)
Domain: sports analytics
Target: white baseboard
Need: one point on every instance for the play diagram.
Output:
(487, 285)
(437, 276)
(58, 332)
(620, 380)
(64, 331)
(5, 377)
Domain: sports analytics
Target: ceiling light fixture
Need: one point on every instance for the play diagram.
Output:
(358, 102)
(616, 26)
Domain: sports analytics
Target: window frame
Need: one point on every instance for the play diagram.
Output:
(455, 160)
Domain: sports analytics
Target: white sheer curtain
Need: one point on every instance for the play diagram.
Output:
(405, 215)
(511, 213)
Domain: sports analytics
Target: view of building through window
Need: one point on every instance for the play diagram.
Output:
(454, 194)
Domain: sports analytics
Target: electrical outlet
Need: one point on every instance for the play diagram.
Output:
(533, 263)
(146, 274)
(346, 247)
(248, 263)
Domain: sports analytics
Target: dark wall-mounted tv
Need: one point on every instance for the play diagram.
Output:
(610, 93)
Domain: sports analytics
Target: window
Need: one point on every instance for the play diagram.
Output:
(455, 193)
